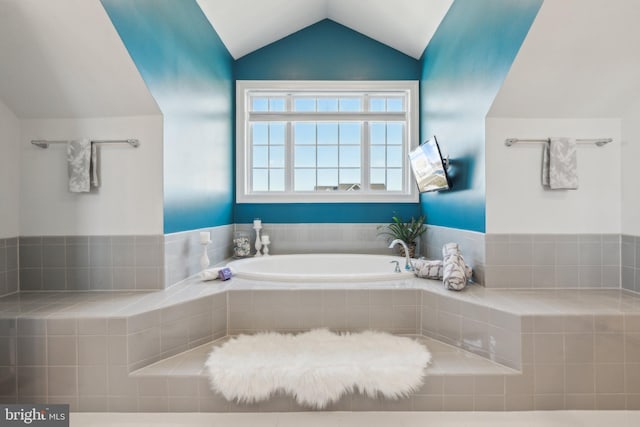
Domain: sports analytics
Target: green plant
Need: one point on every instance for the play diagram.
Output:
(408, 232)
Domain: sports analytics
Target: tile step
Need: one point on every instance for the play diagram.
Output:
(446, 360)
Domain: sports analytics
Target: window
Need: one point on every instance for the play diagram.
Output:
(305, 141)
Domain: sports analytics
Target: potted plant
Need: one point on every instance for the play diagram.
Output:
(408, 232)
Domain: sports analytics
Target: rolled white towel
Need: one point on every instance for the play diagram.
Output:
(433, 269)
(454, 273)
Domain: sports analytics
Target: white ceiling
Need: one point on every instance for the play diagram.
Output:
(64, 58)
(247, 25)
(580, 59)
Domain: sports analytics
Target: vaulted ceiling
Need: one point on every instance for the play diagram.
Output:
(247, 25)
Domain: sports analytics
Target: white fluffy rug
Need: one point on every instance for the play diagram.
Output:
(317, 367)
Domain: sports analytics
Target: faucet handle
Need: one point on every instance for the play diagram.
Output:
(397, 269)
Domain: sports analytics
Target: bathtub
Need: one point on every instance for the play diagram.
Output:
(320, 268)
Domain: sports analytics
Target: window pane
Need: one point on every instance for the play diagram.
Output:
(378, 156)
(350, 176)
(276, 179)
(377, 133)
(304, 180)
(327, 104)
(394, 156)
(260, 157)
(350, 104)
(394, 133)
(304, 104)
(328, 177)
(276, 133)
(394, 179)
(350, 133)
(260, 133)
(277, 104)
(377, 178)
(259, 104)
(305, 133)
(276, 157)
(305, 157)
(394, 104)
(349, 156)
(327, 156)
(377, 104)
(327, 133)
(260, 180)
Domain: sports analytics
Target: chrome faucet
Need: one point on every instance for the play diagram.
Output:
(397, 269)
(408, 265)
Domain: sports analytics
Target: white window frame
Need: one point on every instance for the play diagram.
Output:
(246, 88)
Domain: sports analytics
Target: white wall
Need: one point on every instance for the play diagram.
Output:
(129, 200)
(64, 59)
(631, 172)
(515, 199)
(579, 60)
(9, 172)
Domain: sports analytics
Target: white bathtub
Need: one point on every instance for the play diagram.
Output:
(320, 268)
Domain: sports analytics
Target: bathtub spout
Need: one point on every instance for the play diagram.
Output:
(408, 264)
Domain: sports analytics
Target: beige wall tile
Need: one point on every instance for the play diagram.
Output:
(610, 378)
(548, 379)
(609, 348)
(580, 378)
(548, 348)
(579, 348)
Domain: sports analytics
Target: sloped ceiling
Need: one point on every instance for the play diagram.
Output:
(64, 59)
(247, 25)
(580, 59)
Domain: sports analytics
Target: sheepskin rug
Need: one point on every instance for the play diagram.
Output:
(317, 367)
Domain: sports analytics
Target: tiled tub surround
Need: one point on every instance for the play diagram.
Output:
(630, 254)
(96, 263)
(321, 238)
(553, 261)
(577, 349)
(182, 252)
(8, 266)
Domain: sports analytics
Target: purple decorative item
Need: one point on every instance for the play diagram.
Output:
(224, 274)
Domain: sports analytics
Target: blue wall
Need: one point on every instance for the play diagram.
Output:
(463, 68)
(326, 51)
(190, 74)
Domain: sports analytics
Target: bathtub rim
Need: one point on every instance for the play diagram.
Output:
(321, 278)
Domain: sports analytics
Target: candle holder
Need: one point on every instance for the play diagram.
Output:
(258, 226)
(265, 244)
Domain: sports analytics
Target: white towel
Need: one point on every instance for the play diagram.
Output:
(454, 270)
(433, 269)
(82, 162)
(560, 164)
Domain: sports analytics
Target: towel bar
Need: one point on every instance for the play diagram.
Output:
(43, 143)
(599, 142)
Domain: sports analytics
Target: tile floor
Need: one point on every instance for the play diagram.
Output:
(368, 419)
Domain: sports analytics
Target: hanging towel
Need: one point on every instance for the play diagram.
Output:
(94, 166)
(82, 164)
(560, 164)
